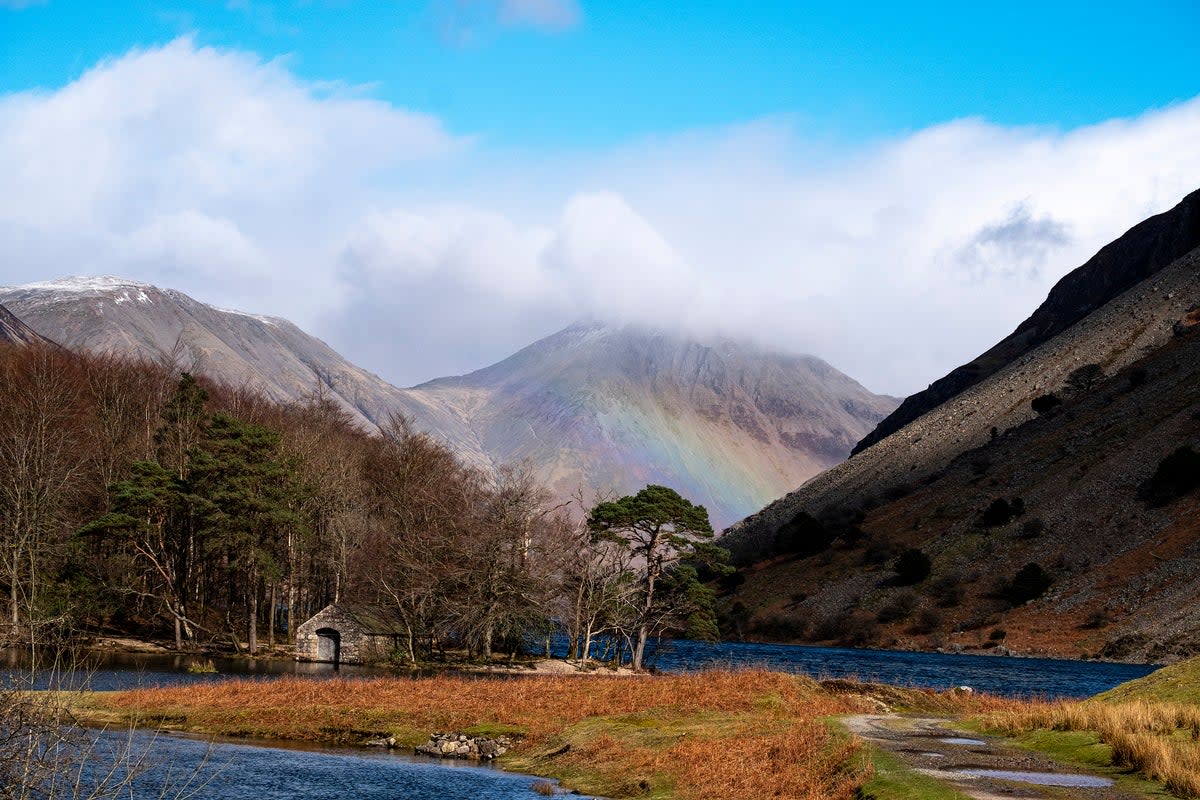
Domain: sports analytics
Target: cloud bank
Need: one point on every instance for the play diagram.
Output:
(419, 251)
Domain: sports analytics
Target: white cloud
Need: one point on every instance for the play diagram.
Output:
(418, 253)
(469, 22)
(548, 14)
(202, 167)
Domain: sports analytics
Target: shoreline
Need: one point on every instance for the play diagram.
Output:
(531, 665)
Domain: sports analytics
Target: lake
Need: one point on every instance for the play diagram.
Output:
(1003, 675)
(182, 766)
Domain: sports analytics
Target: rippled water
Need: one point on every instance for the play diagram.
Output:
(184, 766)
(1009, 676)
(1014, 677)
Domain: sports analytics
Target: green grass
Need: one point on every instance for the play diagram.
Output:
(1084, 751)
(1176, 683)
(895, 781)
(494, 729)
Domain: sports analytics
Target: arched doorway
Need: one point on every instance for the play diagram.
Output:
(329, 645)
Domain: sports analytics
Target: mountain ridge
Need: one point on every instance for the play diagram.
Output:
(593, 406)
(1143, 250)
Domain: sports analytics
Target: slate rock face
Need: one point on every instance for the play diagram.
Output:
(1144, 250)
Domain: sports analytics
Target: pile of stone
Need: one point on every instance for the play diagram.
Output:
(460, 745)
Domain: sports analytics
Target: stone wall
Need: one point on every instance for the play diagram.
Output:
(357, 646)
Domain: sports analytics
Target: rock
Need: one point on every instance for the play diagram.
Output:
(459, 745)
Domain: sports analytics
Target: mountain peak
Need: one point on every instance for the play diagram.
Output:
(83, 283)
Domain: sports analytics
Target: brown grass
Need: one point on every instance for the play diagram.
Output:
(741, 735)
(1159, 740)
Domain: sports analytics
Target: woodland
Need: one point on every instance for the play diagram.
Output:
(138, 499)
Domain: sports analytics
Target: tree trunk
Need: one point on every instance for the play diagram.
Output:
(485, 644)
(271, 619)
(639, 649)
(587, 643)
(252, 639)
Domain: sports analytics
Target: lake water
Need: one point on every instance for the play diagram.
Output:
(1014, 677)
(180, 766)
(1008, 676)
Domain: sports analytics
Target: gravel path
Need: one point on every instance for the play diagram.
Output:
(932, 746)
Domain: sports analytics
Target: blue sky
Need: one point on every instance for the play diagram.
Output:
(429, 185)
(602, 72)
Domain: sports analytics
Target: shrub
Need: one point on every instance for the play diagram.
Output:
(783, 626)
(947, 591)
(1044, 403)
(1030, 583)
(1002, 511)
(899, 607)
(803, 535)
(927, 621)
(731, 580)
(1085, 377)
(912, 567)
(878, 551)
(859, 629)
(1177, 474)
(1032, 528)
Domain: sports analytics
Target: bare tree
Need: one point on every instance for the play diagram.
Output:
(40, 465)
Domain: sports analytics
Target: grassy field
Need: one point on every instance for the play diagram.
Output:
(1150, 726)
(737, 735)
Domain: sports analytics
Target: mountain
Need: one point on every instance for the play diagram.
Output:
(14, 331)
(726, 423)
(1096, 487)
(1142, 251)
(619, 407)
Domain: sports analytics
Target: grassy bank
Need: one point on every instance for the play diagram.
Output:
(1160, 741)
(1150, 726)
(737, 735)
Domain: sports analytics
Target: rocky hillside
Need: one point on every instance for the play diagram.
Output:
(728, 424)
(1141, 252)
(984, 485)
(14, 331)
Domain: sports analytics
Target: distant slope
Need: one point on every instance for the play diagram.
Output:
(728, 424)
(1146, 248)
(112, 315)
(1125, 572)
(724, 423)
(14, 331)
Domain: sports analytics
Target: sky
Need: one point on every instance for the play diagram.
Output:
(429, 185)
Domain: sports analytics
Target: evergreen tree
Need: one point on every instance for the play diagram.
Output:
(662, 530)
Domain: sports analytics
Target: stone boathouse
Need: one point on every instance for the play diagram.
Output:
(342, 633)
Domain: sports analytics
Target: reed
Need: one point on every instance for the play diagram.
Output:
(1156, 739)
